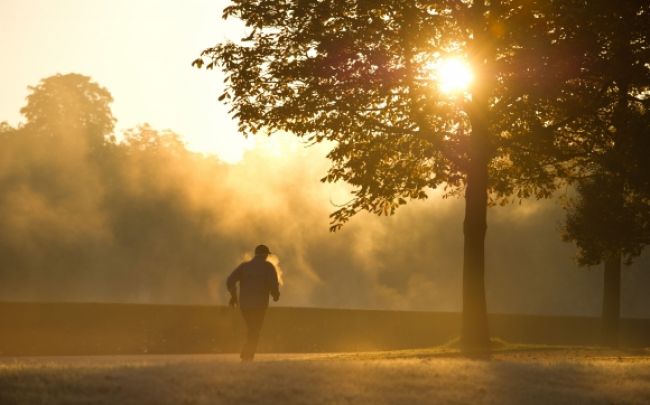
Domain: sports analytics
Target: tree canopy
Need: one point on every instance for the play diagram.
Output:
(360, 73)
(609, 98)
(85, 217)
(613, 85)
(71, 106)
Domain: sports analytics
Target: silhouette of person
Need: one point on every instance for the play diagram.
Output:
(257, 280)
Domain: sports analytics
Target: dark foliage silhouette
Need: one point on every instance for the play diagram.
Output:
(608, 221)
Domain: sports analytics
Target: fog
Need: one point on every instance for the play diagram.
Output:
(145, 220)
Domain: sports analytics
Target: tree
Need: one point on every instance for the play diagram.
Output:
(358, 73)
(71, 108)
(5, 129)
(146, 139)
(609, 219)
(609, 223)
(68, 131)
(51, 185)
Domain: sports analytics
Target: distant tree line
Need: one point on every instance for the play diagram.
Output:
(78, 206)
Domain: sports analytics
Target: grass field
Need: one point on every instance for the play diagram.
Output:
(511, 375)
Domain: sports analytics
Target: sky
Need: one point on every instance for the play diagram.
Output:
(141, 51)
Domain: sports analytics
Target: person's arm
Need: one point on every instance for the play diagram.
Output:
(275, 285)
(231, 283)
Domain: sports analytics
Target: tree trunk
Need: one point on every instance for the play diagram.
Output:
(474, 326)
(611, 300)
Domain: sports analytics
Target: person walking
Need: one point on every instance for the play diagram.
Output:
(257, 280)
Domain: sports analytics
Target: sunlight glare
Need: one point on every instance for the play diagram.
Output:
(453, 75)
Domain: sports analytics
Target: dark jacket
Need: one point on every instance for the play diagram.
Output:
(257, 280)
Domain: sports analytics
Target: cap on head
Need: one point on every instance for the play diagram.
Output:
(262, 250)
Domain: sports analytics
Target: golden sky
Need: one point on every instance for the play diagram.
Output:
(140, 50)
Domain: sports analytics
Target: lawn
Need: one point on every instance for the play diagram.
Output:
(517, 374)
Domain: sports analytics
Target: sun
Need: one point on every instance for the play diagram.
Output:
(453, 75)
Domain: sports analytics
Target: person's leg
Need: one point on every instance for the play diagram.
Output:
(254, 318)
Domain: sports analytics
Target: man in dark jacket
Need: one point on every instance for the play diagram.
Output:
(257, 280)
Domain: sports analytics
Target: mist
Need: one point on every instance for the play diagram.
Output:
(145, 220)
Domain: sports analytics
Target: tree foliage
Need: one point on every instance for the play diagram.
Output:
(359, 73)
(604, 220)
(610, 214)
(70, 106)
(85, 217)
